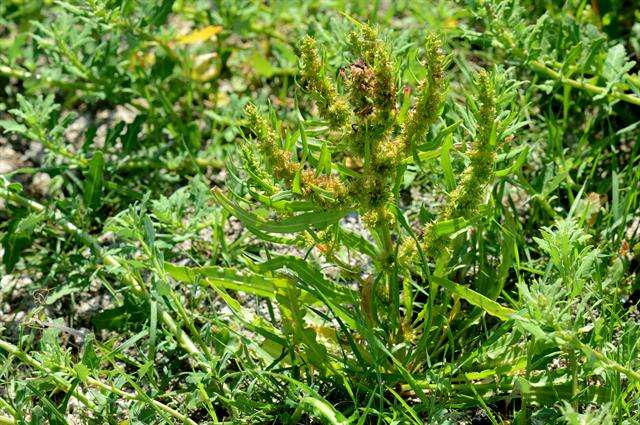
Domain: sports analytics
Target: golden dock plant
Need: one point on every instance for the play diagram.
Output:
(355, 161)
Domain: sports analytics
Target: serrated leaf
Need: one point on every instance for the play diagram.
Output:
(572, 57)
(82, 371)
(61, 292)
(616, 64)
(12, 127)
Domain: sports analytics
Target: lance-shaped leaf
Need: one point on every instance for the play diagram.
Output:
(93, 182)
(294, 224)
(475, 298)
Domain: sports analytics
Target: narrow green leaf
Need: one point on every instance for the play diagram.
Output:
(445, 163)
(616, 207)
(261, 65)
(304, 221)
(248, 219)
(260, 227)
(324, 410)
(113, 134)
(149, 231)
(89, 356)
(255, 284)
(311, 276)
(293, 313)
(324, 161)
(474, 298)
(517, 164)
(315, 401)
(422, 156)
(161, 12)
(12, 127)
(56, 417)
(357, 242)
(163, 289)
(335, 296)
(295, 185)
(93, 181)
(130, 138)
(448, 227)
(18, 237)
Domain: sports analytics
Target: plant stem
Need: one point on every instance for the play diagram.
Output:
(603, 359)
(6, 420)
(7, 407)
(575, 367)
(21, 74)
(15, 351)
(12, 349)
(591, 88)
(203, 162)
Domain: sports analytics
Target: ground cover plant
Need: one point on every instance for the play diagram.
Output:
(319, 212)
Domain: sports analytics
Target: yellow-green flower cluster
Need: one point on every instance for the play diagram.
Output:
(277, 158)
(372, 80)
(331, 104)
(465, 200)
(324, 189)
(364, 122)
(431, 94)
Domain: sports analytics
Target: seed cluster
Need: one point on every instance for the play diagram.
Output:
(369, 139)
(465, 199)
(330, 103)
(367, 135)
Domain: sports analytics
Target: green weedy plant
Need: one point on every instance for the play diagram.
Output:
(357, 164)
(367, 319)
(566, 47)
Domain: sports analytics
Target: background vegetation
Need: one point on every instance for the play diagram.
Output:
(423, 212)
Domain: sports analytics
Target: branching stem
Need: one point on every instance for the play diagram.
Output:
(182, 337)
(582, 85)
(12, 349)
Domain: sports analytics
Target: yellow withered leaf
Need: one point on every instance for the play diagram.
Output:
(201, 34)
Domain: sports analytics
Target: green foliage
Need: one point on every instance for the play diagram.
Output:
(343, 212)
